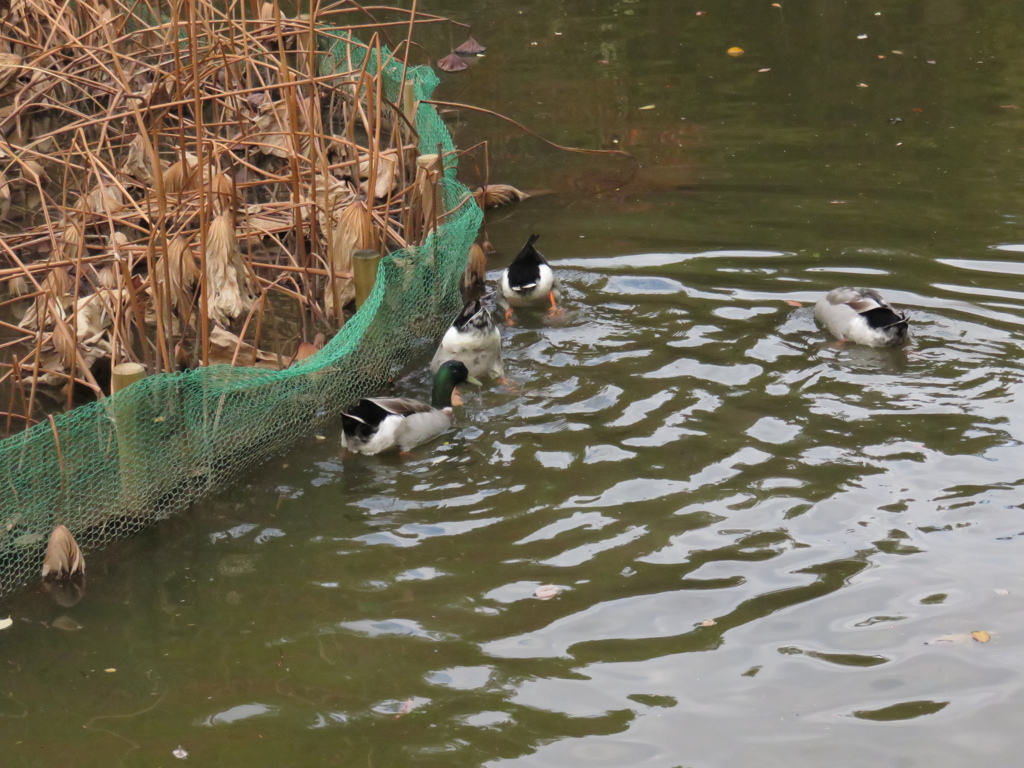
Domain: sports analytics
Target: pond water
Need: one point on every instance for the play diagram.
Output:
(769, 548)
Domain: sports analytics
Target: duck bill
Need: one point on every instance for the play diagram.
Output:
(473, 380)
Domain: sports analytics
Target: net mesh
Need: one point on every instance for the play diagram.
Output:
(110, 468)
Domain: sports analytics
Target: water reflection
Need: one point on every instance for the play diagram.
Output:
(757, 534)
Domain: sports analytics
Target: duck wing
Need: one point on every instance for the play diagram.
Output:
(398, 406)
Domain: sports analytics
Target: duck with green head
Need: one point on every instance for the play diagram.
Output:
(377, 424)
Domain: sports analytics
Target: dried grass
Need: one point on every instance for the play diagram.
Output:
(160, 181)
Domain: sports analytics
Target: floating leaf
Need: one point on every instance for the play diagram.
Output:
(959, 637)
(181, 753)
(765, 69)
(470, 48)
(981, 636)
(546, 592)
(452, 63)
(110, 669)
(793, 303)
(5, 623)
(735, 51)
(708, 623)
(648, 106)
(66, 624)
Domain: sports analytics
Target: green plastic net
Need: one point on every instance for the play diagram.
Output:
(110, 468)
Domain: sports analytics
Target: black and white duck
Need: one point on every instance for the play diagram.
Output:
(862, 316)
(377, 424)
(473, 340)
(528, 280)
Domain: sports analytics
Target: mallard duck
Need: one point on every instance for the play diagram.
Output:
(863, 317)
(473, 340)
(376, 424)
(528, 280)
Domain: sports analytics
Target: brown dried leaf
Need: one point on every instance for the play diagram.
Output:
(64, 343)
(351, 232)
(387, 173)
(33, 171)
(223, 345)
(223, 194)
(452, 63)
(5, 197)
(180, 175)
(304, 352)
(93, 318)
(18, 286)
(63, 558)
(108, 277)
(71, 239)
(470, 48)
(57, 282)
(105, 199)
(180, 269)
(230, 292)
(495, 195)
(137, 164)
(10, 66)
(474, 279)
(275, 138)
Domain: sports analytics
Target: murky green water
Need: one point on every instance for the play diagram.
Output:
(687, 447)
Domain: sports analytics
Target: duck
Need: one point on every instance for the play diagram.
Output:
(474, 340)
(529, 279)
(862, 316)
(378, 424)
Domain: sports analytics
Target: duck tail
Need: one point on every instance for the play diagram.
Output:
(529, 252)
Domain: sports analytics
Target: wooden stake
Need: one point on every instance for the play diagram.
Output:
(364, 267)
(124, 374)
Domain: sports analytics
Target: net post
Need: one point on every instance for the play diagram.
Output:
(124, 374)
(364, 270)
(128, 449)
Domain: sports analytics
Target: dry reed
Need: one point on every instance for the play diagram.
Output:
(160, 179)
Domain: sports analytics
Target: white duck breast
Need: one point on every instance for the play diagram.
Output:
(474, 340)
(863, 317)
